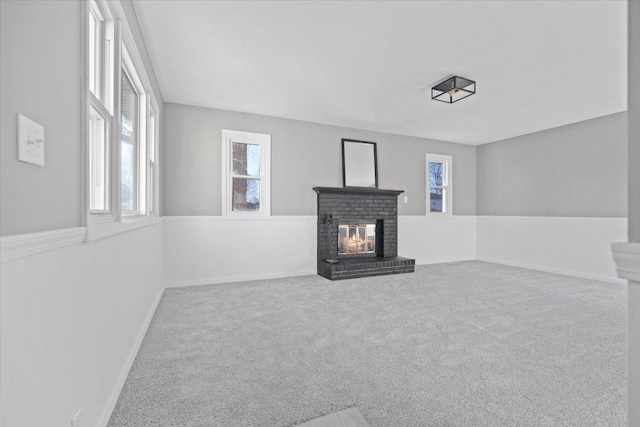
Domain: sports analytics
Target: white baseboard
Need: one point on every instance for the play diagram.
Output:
(115, 394)
(233, 279)
(557, 271)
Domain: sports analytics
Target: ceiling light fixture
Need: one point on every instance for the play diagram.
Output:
(453, 89)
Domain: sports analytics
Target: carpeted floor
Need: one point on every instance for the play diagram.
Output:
(458, 344)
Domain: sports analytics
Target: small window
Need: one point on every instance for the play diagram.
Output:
(439, 184)
(246, 179)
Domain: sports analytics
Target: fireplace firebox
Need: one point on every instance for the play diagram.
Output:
(356, 239)
(358, 233)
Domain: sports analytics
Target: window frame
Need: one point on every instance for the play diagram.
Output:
(119, 54)
(101, 103)
(129, 68)
(153, 131)
(264, 140)
(447, 187)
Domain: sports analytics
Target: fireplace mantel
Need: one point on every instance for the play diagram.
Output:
(355, 190)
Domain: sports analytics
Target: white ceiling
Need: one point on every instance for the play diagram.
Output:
(370, 65)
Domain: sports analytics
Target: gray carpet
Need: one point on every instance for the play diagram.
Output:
(458, 344)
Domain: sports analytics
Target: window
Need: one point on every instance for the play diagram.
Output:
(246, 176)
(133, 129)
(439, 184)
(122, 128)
(101, 33)
(153, 147)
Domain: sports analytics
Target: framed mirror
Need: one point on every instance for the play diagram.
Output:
(359, 163)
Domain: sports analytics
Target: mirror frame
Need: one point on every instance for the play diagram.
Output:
(350, 167)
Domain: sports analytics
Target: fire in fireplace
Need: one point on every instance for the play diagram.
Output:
(356, 239)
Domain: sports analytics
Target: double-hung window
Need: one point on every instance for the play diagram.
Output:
(133, 112)
(439, 200)
(101, 85)
(246, 179)
(122, 129)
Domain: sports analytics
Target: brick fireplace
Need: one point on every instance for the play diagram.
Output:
(358, 233)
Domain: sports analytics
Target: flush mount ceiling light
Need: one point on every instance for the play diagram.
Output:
(453, 89)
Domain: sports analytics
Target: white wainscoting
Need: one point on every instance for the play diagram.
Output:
(211, 249)
(574, 246)
(200, 250)
(73, 318)
(431, 239)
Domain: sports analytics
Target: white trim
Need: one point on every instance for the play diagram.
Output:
(550, 218)
(233, 279)
(264, 140)
(102, 231)
(115, 393)
(23, 245)
(555, 271)
(627, 258)
(232, 218)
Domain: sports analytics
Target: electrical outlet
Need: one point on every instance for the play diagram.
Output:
(406, 199)
(493, 252)
(75, 421)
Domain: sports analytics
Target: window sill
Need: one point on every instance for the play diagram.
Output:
(247, 216)
(439, 215)
(103, 230)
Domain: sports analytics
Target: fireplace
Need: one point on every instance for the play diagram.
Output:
(358, 233)
(357, 239)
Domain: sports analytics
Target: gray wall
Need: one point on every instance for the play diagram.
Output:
(40, 77)
(577, 170)
(303, 155)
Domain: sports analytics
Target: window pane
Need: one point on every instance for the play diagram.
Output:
(152, 136)
(246, 159)
(246, 194)
(152, 196)
(129, 146)
(371, 238)
(436, 198)
(436, 173)
(98, 162)
(92, 52)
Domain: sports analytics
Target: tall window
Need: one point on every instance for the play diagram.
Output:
(247, 178)
(101, 53)
(153, 147)
(130, 127)
(439, 184)
(122, 128)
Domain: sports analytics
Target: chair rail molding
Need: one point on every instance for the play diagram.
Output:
(23, 245)
(627, 258)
